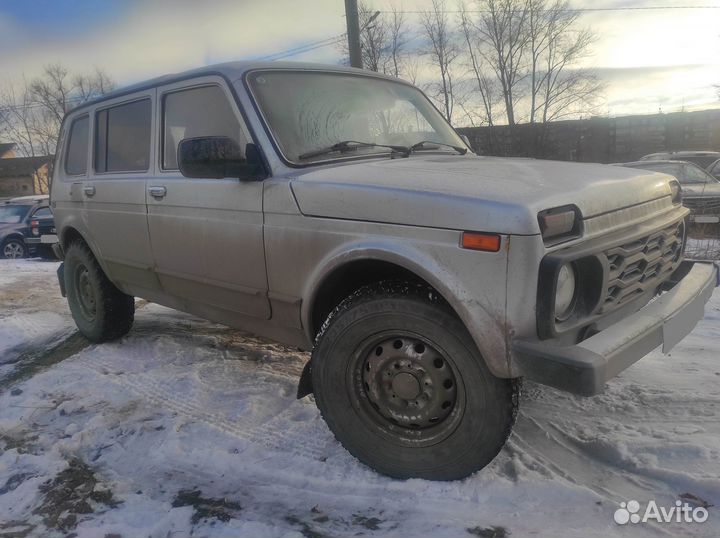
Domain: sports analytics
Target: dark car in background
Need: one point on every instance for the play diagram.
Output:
(701, 190)
(714, 169)
(701, 158)
(15, 217)
(40, 234)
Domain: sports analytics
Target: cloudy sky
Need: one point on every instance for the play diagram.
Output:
(665, 59)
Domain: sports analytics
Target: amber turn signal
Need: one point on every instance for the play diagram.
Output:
(478, 241)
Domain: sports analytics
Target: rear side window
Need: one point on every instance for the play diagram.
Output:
(42, 213)
(122, 138)
(77, 148)
(203, 111)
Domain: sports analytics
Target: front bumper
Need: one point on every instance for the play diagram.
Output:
(584, 368)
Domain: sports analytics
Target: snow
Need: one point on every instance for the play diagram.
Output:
(192, 428)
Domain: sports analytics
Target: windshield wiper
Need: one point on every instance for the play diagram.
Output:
(421, 145)
(349, 145)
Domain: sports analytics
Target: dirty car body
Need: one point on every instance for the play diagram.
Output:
(328, 187)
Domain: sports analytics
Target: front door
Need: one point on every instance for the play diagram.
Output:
(206, 234)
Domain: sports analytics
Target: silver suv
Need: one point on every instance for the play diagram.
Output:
(336, 210)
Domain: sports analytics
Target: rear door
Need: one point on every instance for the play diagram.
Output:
(114, 195)
(206, 234)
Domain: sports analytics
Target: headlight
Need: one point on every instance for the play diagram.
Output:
(676, 192)
(565, 292)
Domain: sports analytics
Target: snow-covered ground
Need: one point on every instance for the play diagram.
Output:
(186, 427)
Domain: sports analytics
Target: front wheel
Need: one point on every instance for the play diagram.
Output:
(402, 386)
(14, 248)
(101, 311)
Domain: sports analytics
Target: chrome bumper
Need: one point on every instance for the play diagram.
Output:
(584, 368)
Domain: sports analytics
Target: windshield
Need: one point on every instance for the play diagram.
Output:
(13, 214)
(668, 168)
(695, 174)
(309, 111)
(701, 161)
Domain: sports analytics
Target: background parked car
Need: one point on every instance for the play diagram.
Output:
(702, 158)
(15, 217)
(41, 233)
(714, 169)
(701, 190)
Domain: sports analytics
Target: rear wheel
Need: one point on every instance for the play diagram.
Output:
(402, 386)
(14, 248)
(100, 310)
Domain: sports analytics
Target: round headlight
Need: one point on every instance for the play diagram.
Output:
(565, 292)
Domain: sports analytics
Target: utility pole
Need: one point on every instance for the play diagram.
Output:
(353, 33)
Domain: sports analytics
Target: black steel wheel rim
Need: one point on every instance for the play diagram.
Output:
(85, 292)
(407, 389)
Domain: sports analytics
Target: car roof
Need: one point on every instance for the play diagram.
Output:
(36, 199)
(232, 71)
(658, 161)
(686, 153)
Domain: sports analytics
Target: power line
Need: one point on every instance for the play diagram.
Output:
(37, 104)
(572, 10)
(275, 56)
(303, 48)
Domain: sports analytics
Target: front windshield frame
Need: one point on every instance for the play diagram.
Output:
(338, 157)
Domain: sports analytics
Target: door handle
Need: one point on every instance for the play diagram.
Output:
(157, 192)
(89, 190)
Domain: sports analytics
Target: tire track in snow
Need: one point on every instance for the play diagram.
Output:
(554, 450)
(275, 433)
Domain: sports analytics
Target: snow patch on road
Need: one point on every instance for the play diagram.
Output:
(192, 428)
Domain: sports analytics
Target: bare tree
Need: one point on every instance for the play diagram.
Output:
(443, 51)
(503, 27)
(557, 88)
(411, 68)
(398, 40)
(568, 91)
(374, 37)
(484, 84)
(31, 111)
(382, 40)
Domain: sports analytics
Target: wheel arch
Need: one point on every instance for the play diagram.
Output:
(12, 235)
(70, 233)
(344, 272)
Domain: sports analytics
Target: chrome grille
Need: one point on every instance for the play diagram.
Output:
(641, 265)
(703, 205)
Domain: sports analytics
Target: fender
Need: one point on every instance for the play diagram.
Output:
(74, 222)
(484, 325)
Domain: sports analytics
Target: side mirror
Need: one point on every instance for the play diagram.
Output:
(466, 140)
(218, 157)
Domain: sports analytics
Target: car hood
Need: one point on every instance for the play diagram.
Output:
(469, 192)
(7, 227)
